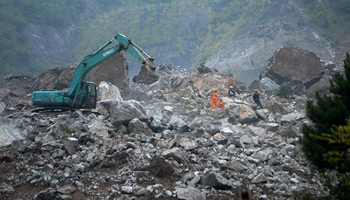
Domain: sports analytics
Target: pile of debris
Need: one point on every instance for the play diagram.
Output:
(167, 144)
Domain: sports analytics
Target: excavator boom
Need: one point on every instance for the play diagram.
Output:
(82, 94)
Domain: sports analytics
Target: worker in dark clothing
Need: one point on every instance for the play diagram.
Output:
(256, 98)
(231, 92)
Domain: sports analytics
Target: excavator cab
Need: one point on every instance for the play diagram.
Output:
(88, 95)
(91, 95)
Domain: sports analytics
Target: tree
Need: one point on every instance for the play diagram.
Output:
(326, 142)
(203, 69)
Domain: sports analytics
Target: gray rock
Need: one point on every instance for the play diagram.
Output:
(64, 197)
(264, 155)
(259, 179)
(66, 189)
(108, 91)
(102, 107)
(2, 107)
(288, 131)
(235, 165)
(187, 144)
(6, 189)
(247, 115)
(71, 144)
(268, 85)
(258, 131)
(216, 180)
(189, 193)
(127, 189)
(48, 193)
(141, 192)
(138, 127)
(177, 154)
(271, 118)
(177, 122)
(98, 128)
(79, 167)
(9, 132)
(260, 114)
(42, 123)
(292, 117)
(273, 127)
(125, 111)
(274, 106)
(226, 130)
(245, 139)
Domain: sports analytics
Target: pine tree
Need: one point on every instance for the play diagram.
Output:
(326, 142)
(329, 113)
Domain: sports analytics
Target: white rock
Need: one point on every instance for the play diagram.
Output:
(108, 91)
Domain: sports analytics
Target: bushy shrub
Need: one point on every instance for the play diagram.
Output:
(203, 69)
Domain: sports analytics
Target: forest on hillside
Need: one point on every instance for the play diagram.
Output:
(185, 29)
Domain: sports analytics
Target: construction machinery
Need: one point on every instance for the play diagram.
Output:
(83, 94)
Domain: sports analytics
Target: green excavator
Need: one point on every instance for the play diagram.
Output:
(83, 94)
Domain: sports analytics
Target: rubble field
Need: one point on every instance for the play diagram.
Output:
(160, 141)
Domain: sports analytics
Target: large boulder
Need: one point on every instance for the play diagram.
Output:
(14, 90)
(189, 193)
(57, 78)
(108, 91)
(246, 115)
(98, 128)
(125, 111)
(295, 67)
(137, 126)
(113, 70)
(9, 132)
(216, 180)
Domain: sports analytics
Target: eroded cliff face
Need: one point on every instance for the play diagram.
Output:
(281, 23)
(53, 46)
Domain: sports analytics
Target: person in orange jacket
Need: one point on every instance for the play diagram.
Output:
(221, 103)
(214, 99)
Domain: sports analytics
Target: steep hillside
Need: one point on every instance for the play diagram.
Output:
(235, 37)
(280, 23)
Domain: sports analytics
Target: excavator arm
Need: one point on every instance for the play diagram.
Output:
(146, 75)
(82, 94)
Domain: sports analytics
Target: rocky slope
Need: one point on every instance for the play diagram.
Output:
(281, 23)
(166, 145)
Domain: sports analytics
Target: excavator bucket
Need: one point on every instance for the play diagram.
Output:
(147, 75)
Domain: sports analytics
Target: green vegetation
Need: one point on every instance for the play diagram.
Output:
(288, 43)
(331, 16)
(65, 129)
(285, 91)
(326, 142)
(15, 55)
(203, 69)
(196, 29)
